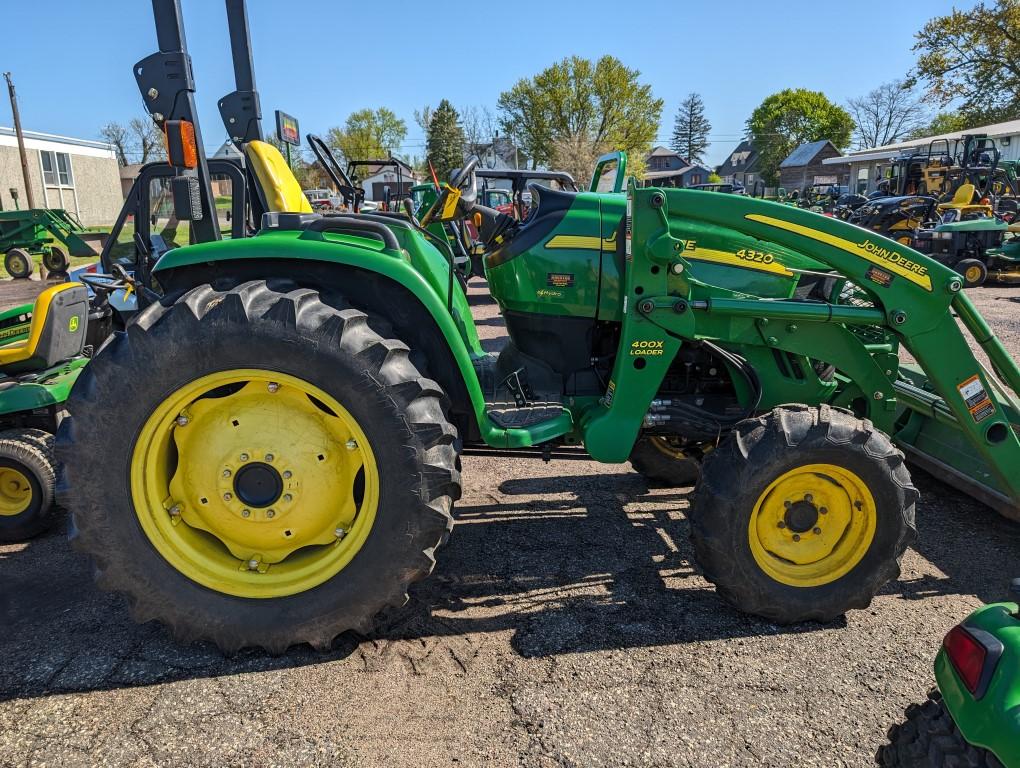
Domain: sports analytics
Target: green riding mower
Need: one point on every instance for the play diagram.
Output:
(282, 421)
(41, 356)
(970, 719)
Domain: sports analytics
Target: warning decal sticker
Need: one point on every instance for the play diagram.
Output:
(976, 398)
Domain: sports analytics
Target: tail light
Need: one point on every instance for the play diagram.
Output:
(974, 654)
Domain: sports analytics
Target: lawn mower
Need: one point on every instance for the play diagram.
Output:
(283, 419)
(971, 717)
(963, 232)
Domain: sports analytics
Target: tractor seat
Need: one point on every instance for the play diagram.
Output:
(56, 332)
(962, 198)
(279, 191)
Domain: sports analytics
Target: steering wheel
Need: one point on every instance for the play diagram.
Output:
(469, 195)
(102, 282)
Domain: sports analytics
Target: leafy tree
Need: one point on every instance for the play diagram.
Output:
(368, 134)
(691, 129)
(785, 120)
(946, 122)
(888, 114)
(714, 178)
(576, 154)
(580, 103)
(444, 141)
(973, 57)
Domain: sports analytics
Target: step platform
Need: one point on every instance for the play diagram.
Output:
(511, 417)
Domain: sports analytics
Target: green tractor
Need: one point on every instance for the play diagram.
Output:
(971, 718)
(282, 425)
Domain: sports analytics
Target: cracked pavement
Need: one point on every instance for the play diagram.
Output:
(565, 625)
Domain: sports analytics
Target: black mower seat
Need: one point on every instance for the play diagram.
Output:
(56, 333)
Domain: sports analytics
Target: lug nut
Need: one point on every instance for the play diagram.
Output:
(352, 444)
(175, 510)
(228, 496)
(817, 531)
(288, 497)
(340, 533)
(244, 457)
(808, 498)
(287, 475)
(182, 420)
(245, 513)
(823, 510)
(796, 537)
(273, 386)
(270, 513)
(253, 565)
(781, 524)
(787, 504)
(226, 473)
(269, 457)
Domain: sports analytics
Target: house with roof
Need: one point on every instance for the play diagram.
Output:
(394, 176)
(741, 167)
(666, 168)
(806, 166)
(867, 167)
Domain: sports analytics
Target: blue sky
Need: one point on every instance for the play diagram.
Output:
(320, 60)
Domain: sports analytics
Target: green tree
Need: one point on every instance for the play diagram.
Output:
(785, 120)
(972, 57)
(577, 104)
(946, 122)
(444, 141)
(714, 178)
(368, 134)
(691, 129)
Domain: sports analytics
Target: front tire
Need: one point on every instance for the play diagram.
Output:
(241, 427)
(930, 739)
(802, 514)
(974, 272)
(18, 263)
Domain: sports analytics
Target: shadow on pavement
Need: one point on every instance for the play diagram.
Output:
(565, 564)
(559, 562)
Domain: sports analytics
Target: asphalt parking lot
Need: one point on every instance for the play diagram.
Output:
(565, 625)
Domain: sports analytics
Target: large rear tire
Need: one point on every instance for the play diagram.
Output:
(930, 739)
(802, 514)
(26, 484)
(274, 471)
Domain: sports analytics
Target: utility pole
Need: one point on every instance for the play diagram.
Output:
(29, 194)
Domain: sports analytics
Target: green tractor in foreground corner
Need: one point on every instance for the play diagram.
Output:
(281, 427)
(973, 718)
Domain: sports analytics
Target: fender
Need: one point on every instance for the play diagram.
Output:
(421, 271)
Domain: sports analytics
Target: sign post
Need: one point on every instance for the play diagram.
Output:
(288, 132)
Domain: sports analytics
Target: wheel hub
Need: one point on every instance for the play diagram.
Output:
(812, 525)
(801, 516)
(254, 483)
(258, 484)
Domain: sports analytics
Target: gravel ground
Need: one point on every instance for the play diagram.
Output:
(564, 626)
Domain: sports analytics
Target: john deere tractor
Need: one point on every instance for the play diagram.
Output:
(281, 426)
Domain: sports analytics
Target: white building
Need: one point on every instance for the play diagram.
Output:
(78, 175)
(866, 167)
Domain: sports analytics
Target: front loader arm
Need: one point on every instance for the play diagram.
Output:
(911, 298)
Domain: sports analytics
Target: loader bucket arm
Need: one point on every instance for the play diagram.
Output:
(911, 299)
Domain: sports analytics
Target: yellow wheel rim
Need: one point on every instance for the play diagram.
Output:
(812, 525)
(254, 483)
(973, 274)
(666, 447)
(15, 492)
